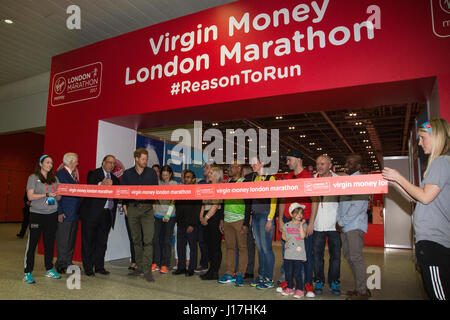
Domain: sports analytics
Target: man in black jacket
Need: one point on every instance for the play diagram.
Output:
(98, 216)
(140, 213)
(188, 224)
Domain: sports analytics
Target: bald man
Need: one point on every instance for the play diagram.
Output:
(325, 229)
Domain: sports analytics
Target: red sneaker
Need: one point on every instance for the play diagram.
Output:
(164, 269)
(155, 267)
(309, 290)
(282, 287)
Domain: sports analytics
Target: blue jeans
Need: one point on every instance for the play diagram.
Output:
(294, 270)
(309, 263)
(263, 240)
(334, 248)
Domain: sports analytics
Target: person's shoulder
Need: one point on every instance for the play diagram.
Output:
(289, 175)
(443, 160)
(304, 174)
(33, 176)
(95, 171)
(128, 171)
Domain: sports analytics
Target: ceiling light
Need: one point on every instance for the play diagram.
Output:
(362, 132)
(302, 136)
(312, 143)
(8, 21)
(368, 147)
(291, 128)
(279, 117)
(319, 149)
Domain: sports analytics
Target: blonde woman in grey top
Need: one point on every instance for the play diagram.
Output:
(432, 214)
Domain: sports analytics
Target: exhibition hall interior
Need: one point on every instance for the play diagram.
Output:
(378, 119)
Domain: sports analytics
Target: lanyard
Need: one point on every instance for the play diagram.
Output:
(46, 188)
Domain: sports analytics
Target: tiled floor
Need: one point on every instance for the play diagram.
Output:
(398, 279)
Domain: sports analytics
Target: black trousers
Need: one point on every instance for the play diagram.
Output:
(162, 239)
(44, 224)
(434, 262)
(94, 239)
(213, 239)
(182, 239)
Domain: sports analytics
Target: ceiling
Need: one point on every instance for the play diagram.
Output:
(39, 30)
(371, 132)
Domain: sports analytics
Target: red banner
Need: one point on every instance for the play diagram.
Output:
(344, 185)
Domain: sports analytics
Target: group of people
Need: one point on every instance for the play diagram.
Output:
(307, 224)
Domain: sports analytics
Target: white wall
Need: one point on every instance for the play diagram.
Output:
(120, 142)
(23, 104)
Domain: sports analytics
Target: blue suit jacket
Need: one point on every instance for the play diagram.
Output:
(68, 205)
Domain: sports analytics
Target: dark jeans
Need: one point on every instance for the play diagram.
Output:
(162, 239)
(434, 262)
(334, 249)
(44, 224)
(182, 239)
(266, 257)
(213, 239)
(294, 270)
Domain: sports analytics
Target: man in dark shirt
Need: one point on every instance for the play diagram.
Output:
(139, 213)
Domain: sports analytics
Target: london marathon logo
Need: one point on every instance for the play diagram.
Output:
(440, 15)
(77, 84)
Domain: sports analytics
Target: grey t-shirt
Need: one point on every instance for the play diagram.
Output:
(40, 205)
(163, 205)
(432, 221)
(295, 245)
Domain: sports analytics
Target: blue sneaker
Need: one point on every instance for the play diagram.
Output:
(318, 289)
(28, 278)
(257, 281)
(239, 281)
(52, 274)
(267, 284)
(335, 288)
(227, 278)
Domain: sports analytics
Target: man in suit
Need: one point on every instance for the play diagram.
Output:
(98, 216)
(66, 232)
